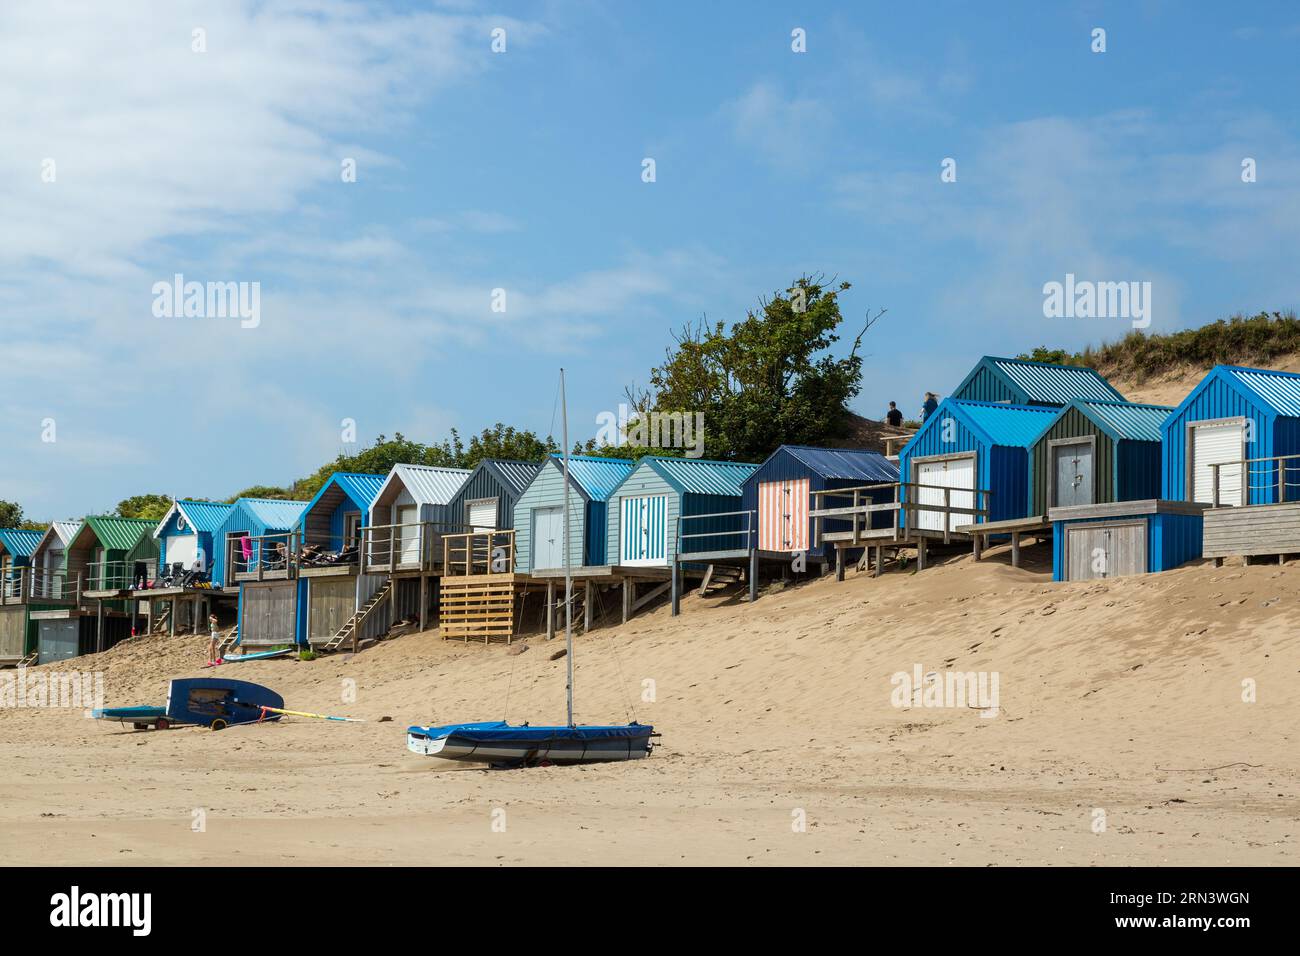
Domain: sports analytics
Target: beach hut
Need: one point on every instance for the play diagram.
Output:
(539, 513)
(49, 579)
(979, 452)
(112, 554)
(486, 500)
(185, 534)
(16, 632)
(254, 554)
(1095, 452)
(1123, 538)
(782, 491)
(666, 506)
(410, 514)
(332, 586)
(1021, 382)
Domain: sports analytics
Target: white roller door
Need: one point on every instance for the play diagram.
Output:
(183, 549)
(482, 514)
(955, 473)
(1216, 444)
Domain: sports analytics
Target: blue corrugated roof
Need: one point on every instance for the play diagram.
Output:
(697, 476)
(1280, 389)
(596, 476)
(363, 489)
(845, 463)
(204, 515)
(19, 541)
(273, 513)
(1043, 382)
(1127, 420)
(517, 474)
(1017, 425)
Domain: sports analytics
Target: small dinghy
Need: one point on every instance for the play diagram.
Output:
(213, 702)
(499, 743)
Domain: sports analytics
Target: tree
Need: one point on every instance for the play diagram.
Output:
(768, 380)
(263, 491)
(499, 441)
(152, 507)
(11, 514)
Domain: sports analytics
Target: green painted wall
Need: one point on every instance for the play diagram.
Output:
(1074, 424)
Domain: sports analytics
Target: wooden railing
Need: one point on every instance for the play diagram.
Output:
(416, 546)
(42, 585)
(862, 505)
(1272, 473)
(316, 554)
(254, 557)
(478, 552)
(110, 575)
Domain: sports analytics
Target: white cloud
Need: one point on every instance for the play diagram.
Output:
(785, 130)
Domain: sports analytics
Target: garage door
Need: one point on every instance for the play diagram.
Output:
(1213, 444)
(330, 605)
(548, 537)
(643, 528)
(783, 515)
(957, 473)
(57, 641)
(269, 614)
(1072, 474)
(1105, 551)
(482, 514)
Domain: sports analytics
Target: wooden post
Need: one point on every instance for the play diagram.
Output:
(920, 553)
(99, 625)
(1214, 486)
(1015, 549)
(586, 606)
(629, 592)
(753, 575)
(550, 608)
(148, 617)
(979, 551)
(880, 560)
(676, 588)
(1281, 479)
(839, 563)
(424, 601)
(171, 618)
(856, 534)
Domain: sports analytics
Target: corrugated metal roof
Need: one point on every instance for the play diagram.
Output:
(118, 534)
(1042, 382)
(517, 474)
(20, 542)
(845, 463)
(429, 485)
(363, 489)
(598, 477)
(1128, 420)
(1017, 425)
(65, 530)
(204, 515)
(1279, 389)
(700, 477)
(274, 514)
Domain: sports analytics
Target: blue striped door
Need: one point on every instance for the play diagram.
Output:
(644, 530)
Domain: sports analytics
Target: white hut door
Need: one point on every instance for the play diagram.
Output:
(645, 531)
(1214, 445)
(548, 537)
(408, 518)
(956, 473)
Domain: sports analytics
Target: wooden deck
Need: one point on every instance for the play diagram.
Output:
(1015, 527)
(1252, 531)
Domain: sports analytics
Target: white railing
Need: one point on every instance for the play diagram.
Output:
(1268, 475)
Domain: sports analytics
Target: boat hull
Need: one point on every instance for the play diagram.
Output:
(531, 745)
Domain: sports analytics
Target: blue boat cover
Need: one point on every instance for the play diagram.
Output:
(500, 730)
(116, 713)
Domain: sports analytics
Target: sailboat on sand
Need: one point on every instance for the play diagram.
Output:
(498, 742)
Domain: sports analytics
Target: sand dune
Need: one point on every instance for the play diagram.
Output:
(1123, 697)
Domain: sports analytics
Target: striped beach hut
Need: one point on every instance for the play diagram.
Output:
(666, 505)
(486, 500)
(1021, 382)
(967, 446)
(1235, 414)
(539, 513)
(780, 493)
(1094, 452)
(185, 533)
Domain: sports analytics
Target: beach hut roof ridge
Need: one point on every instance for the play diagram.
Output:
(426, 484)
(20, 542)
(1121, 421)
(114, 533)
(698, 476)
(512, 472)
(1045, 381)
(200, 515)
(843, 463)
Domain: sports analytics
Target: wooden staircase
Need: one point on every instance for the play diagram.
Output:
(29, 660)
(719, 576)
(160, 623)
(227, 642)
(349, 629)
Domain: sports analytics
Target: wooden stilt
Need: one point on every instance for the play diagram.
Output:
(586, 606)
(1015, 549)
(920, 554)
(99, 625)
(629, 592)
(753, 575)
(424, 602)
(550, 609)
(880, 560)
(839, 563)
(171, 618)
(677, 589)
(978, 546)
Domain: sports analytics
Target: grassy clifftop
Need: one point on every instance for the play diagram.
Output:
(1239, 340)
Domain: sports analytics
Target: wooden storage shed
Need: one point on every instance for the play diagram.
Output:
(1096, 452)
(1124, 538)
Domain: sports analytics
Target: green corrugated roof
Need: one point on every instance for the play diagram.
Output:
(118, 534)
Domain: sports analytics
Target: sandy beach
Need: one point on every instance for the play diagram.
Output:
(1119, 702)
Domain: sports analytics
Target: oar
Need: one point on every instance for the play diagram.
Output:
(299, 713)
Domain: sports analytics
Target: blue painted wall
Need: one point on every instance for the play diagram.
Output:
(1002, 469)
(1172, 540)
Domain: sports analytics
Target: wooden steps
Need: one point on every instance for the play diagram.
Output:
(349, 628)
(160, 624)
(719, 575)
(478, 606)
(29, 660)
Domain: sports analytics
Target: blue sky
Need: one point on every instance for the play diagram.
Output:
(522, 170)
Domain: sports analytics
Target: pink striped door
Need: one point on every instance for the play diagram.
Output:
(783, 515)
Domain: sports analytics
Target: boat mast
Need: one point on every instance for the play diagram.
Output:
(568, 571)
